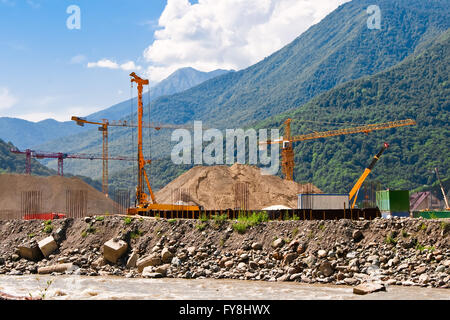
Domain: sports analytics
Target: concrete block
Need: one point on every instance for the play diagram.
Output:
(152, 260)
(114, 249)
(47, 246)
(30, 251)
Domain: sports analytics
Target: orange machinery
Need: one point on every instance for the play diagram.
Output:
(287, 151)
(143, 202)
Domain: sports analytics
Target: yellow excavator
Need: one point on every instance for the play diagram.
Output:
(355, 190)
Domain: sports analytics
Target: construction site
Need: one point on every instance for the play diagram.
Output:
(220, 222)
(234, 191)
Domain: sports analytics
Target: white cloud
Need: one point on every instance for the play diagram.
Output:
(228, 34)
(109, 64)
(7, 100)
(78, 59)
(104, 63)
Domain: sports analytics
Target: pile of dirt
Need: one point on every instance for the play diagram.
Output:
(214, 188)
(53, 193)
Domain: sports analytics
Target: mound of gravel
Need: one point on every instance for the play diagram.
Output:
(214, 188)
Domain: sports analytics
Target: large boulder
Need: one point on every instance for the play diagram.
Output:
(114, 249)
(278, 243)
(132, 260)
(166, 255)
(152, 260)
(326, 268)
(366, 288)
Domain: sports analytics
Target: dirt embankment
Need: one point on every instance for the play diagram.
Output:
(53, 192)
(214, 188)
(399, 251)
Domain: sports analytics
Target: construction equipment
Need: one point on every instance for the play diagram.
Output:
(60, 156)
(355, 190)
(143, 203)
(447, 207)
(287, 153)
(103, 127)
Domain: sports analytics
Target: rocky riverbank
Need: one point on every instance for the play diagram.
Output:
(410, 252)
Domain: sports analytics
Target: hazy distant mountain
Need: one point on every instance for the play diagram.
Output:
(27, 134)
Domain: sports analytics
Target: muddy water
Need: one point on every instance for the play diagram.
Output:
(81, 288)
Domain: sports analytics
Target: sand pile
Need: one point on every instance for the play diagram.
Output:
(214, 188)
(53, 190)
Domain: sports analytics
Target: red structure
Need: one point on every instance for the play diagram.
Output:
(44, 216)
(61, 156)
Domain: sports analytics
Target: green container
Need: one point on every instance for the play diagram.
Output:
(393, 201)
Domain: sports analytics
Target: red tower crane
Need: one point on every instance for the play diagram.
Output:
(61, 156)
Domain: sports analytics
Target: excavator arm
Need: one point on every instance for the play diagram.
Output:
(354, 192)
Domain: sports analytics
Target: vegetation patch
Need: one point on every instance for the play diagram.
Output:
(200, 226)
(391, 239)
(136, 234)
(247, 221)
(91, 229)
(48, 229)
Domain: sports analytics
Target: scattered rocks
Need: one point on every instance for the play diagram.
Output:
(257, 246)
(321, 253)
(278, 243)
(357, 235)
(367, 288)
(328, 257)
(326, 268)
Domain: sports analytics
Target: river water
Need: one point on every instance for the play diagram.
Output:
(101, 288)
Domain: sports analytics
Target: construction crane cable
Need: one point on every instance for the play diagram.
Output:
(149, 136)
(133, 167)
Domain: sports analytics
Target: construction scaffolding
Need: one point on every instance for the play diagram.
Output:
(76, 203)
(241, 196)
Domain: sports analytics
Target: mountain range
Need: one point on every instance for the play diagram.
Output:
(339, 49)
(339, 71)
(27, 134)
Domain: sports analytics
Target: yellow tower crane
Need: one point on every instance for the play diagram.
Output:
(103, 127)
(287, 151)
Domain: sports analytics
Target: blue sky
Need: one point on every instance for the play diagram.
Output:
(50, 71)
(37, 53)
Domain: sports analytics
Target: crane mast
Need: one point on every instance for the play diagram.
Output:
(140, 194)
(447, 207)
